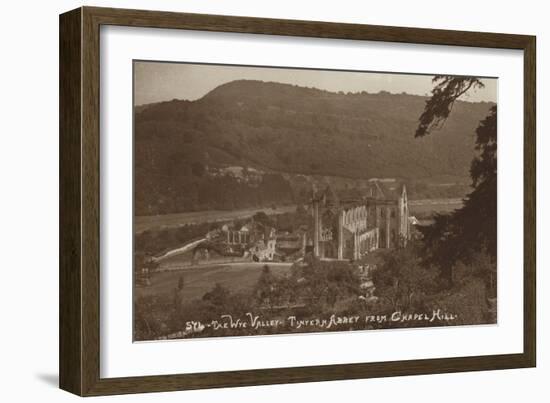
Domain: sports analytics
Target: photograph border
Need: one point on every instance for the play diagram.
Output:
(79, 282)
(191, 63)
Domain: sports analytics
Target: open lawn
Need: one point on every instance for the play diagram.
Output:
(198, 280)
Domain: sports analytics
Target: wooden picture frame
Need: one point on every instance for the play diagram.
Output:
(79, 348)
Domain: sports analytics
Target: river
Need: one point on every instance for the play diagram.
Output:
(144, 223)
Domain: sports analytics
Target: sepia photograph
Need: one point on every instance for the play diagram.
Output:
(279, 200)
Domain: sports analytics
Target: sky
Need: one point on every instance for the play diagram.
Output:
(162, 81)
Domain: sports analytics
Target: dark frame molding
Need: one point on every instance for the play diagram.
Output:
(79, 320)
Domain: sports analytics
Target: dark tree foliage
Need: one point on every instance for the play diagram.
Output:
(471, 229)
(217, 297)
(266, 287)
(444, 95)
(262, 218)
(321, 284)
(402, 280)
(484, 166)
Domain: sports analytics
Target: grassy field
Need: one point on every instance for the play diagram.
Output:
(201, 279)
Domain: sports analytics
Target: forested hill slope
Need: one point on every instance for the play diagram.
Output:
(275, 127)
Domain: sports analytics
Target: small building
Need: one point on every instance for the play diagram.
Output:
(291, 243)
(264, 251)
(232, 236)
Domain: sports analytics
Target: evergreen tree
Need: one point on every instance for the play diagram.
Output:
(265, 286)
(473, 228)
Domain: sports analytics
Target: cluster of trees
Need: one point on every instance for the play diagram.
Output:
(409, 283)
(286, 222)
(312, 290)
(318, 289)
(195, 190)
(471, 231)
(313, 286)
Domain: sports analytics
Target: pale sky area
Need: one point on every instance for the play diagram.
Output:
(160, 81)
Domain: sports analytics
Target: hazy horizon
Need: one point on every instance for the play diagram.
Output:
(165, 81)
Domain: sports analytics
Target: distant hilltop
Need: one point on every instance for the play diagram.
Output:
(287, 129)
